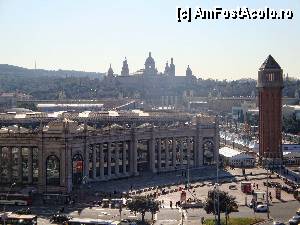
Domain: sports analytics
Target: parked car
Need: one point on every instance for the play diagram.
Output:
(127, 222)
(23, 212)
(197, 204)
(59, 218)
(261, 208)
(232, 187)
(257, 203)
(294, 220)
(116, 203)
(105, 203)
(278, 223)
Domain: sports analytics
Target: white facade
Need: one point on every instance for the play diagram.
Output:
(236, 158)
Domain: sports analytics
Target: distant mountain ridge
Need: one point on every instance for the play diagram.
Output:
(6, 69)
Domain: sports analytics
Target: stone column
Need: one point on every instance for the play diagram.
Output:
(20, 166)
(1, 161)
(197, 146)
(135, 159)
(159, 155)
(86, 161)
(189, 147)
(41, 166)
(181, 152)
(133, 154)
(217, 139)
(30, 165)
(94, 162)
(9, 164)
(167, 163)
(62, 164)
(101, 161)
(174, 153)
(200, 147)
(109, 160)
(117, 150)
(152, 154)
(69, 165)
(124, 157)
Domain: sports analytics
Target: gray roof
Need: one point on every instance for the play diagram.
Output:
(270, 63)
(292, 155)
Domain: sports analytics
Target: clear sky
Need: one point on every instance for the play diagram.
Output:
(88, 35)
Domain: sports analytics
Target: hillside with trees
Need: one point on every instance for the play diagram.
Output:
(47, 84)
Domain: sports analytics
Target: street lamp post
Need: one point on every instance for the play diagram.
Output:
(267, 163)
(216, 192)
(4, 208)
(218, 196)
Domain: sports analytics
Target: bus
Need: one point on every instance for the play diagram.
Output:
(54, 199)
(15, 199)
(12, 219)
(80, 221)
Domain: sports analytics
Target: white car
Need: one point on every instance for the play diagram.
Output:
(261, 208)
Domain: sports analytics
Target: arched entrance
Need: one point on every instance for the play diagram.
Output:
(53, 170)
(77, 168)
(143, 156)
(208, 152)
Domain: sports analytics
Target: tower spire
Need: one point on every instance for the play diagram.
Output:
(125, 69)
(172, 68)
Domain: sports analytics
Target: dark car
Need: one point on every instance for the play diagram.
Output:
(60, 218)
(278, 223)
(295, 220)
(23, 212)
(257, 203)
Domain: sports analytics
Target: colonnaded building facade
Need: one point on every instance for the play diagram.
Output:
(59, 155)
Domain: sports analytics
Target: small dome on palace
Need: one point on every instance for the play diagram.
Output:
(149, 60)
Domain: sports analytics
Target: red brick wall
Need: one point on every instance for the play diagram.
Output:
(270, 120)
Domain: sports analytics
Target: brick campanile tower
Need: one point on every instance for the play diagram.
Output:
(270, 84)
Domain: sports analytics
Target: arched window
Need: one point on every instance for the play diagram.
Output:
(208, 153)
(4, 165)
(77, 164)
(52, 170)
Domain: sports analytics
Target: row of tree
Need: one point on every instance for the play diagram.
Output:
(217, 202)
(84, 87)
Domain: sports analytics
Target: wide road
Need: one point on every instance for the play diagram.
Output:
(283, 211)
(166, 216)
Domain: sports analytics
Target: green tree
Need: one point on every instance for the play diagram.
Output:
(142, 204)
(27, 105)
(227, 203)
(291, 124)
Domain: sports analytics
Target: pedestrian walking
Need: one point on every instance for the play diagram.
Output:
(202, 220)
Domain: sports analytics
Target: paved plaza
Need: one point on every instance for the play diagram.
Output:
(201, 181)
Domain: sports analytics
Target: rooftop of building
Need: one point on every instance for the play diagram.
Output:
(270, 63)
(230, 152)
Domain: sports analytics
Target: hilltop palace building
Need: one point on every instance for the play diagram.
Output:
(58, 155)
(156, 88)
